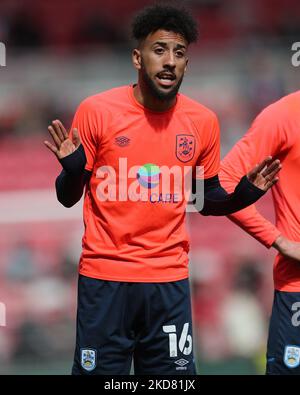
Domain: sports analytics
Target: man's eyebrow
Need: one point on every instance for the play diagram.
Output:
(164, 44)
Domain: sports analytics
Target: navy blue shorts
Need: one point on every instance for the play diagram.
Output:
(283, 352)
(149, 323)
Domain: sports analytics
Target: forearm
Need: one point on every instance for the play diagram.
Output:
(281, 244)
(69, 188)
(71, 181)
(288, 248)
(248, 219)
(218, 202)
(252, 222)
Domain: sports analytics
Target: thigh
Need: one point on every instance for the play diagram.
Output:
(165, 342)
(283, 350)
(104, 341)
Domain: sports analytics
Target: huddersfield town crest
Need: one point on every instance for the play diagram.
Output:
(292, 356)
(88, 359)
(185, 147)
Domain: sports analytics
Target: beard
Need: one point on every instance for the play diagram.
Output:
(155, 91)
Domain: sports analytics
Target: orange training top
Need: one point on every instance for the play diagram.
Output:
(276, 132)
(134, 229)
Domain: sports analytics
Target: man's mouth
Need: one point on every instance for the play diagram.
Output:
(166, 79)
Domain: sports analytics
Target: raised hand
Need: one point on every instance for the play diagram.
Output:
(64, 145)
(263, 175)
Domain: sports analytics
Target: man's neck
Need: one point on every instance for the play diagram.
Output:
(147, 100)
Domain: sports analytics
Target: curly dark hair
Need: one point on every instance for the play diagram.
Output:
(167, 17)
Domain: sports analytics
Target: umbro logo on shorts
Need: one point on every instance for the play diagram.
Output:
(181, 362)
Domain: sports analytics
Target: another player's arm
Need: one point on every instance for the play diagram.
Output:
(288, 248)
(250, 188)
(267, 134)
(70, 153)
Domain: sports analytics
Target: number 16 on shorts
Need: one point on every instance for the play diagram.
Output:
(185, 342)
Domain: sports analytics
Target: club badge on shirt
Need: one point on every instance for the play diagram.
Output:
(185, 147)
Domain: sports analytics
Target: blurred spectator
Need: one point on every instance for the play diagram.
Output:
(43, 343)
(24, 31)
(32, 342)
(208, 287)
(21, 265)
(265, 83)
(96, 30)
(242, 319)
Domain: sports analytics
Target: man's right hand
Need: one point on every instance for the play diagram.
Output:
(288, 248)
(64, 146)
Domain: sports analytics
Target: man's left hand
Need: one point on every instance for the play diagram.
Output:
(264, 174)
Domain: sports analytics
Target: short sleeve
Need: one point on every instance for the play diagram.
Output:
(209, 158)
(89, 129)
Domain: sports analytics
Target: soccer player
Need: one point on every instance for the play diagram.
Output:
(133, 290)
(275, 132)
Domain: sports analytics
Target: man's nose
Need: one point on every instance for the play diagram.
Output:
(170, 60)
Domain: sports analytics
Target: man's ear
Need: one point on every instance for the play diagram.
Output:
(186, 63)
(137, 59)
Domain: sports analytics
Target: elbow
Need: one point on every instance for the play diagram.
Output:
(215, 212)
(68, 190)
(68, 203)
(204, 212)
(204, 208)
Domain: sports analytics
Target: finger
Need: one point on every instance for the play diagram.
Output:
(253, 173)
(269, 184)
(51, 147)
(76, 138)
(259, 167)
(269, 169)
(54, 136)
(271, 176)
(264, 163)
(59, 133)
(62, 128)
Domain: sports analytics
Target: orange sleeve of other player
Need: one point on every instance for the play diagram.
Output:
(86, 121)
(265, 137)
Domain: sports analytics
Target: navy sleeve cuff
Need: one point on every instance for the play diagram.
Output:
(74, 163)
(248, 192)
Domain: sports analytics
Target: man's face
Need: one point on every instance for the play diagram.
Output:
(161, 60)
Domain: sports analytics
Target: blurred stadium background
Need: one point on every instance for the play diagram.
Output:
(61, 51)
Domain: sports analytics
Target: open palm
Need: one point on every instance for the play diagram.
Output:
(64, 144)
(263, 175)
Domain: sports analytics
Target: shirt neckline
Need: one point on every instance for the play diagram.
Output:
(145, 109)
